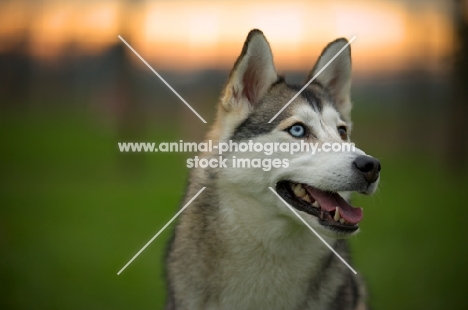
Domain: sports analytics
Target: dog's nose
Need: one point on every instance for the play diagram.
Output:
(368, 166)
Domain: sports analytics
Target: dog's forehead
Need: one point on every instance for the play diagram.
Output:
(308, 114)
(311, 105)
(281, 93)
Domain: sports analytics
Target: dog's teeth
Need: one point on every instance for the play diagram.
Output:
(315, 204)
(342, 220)
(337, 214)
(306, 198)
(299, 191)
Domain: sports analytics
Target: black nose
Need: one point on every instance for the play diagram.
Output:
(368, 166)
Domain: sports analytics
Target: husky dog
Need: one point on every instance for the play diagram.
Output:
(237, 246)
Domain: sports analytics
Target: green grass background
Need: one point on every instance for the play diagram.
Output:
(73, 211)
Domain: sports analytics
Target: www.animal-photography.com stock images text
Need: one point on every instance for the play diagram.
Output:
(244, 155)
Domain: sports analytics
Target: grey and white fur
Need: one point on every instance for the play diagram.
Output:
(237, 246)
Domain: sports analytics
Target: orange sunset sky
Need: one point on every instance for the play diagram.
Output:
(180, 35)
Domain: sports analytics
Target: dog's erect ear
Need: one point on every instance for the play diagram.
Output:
(336, 78)
(252, 75)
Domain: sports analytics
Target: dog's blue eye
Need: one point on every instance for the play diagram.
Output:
(297, 131)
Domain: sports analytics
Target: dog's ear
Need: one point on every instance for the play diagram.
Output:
(336, 77)
(252, 75)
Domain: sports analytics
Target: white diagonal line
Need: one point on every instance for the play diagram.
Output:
(320, 237)
(311, 80)
(164, 81)
(159, 232)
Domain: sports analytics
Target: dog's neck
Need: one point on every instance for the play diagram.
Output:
(265, 250)
(258, 223)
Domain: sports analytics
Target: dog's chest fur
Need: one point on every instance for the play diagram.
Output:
(244, 257)
(269, 262)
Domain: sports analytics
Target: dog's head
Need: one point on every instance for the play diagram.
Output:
(314, 184)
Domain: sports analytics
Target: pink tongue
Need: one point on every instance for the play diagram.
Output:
(329, 202)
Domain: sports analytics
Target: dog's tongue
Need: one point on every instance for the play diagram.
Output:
(329, 202)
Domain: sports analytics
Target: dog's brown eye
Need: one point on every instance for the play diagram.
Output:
(343, 132)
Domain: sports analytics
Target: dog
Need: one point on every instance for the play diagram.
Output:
(237, 245)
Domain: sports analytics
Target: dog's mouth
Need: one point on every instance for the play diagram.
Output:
(330, 208)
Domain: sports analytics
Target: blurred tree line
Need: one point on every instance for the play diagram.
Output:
(457, 151)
